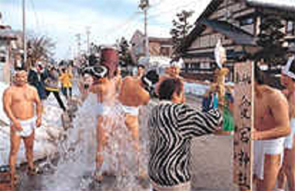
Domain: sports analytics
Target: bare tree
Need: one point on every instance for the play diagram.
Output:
(39, 48)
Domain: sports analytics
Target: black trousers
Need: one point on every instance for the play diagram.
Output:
(57, 97)
(65, 91)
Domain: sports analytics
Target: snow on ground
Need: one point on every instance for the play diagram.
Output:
(51, 129)
(45, 136)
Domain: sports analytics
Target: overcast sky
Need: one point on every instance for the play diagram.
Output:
(108, 20)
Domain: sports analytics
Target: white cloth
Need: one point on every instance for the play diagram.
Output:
(262, 147)
(102, 109)
(286, 68)
(130, 110)
(179, 187)
(28, 127)
(289, 139)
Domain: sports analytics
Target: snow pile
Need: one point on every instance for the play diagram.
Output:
(46, 136)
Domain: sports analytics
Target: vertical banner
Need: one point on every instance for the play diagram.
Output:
(244, 122)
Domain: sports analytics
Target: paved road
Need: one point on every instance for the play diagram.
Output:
(211, 164)
(211, 160)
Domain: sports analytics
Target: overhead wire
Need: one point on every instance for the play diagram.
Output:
(36, 15)
(123, 30)
(172, 10)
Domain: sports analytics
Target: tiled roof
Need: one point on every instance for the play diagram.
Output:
(286, 5)
(9, 34)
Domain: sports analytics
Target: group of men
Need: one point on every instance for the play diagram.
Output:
(108, 86)
(172, 123)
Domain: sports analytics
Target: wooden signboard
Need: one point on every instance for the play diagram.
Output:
(244, 122)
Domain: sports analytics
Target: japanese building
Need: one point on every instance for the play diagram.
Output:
(157, 46)
(236, 23)
(10, 41)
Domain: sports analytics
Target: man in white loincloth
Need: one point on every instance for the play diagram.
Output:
(287, 171)
(271, 123)
(20, 101)
(134, 93)
(105, 87)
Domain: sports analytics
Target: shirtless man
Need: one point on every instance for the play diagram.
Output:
(85, 83)
(287, 171)
(134, 93)
(118, 79)
(140, 70)
(105, 86)
(271, 123)
(171, 72)
(19, 101)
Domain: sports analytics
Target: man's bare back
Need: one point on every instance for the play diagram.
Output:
(105, 90)
(132, 93)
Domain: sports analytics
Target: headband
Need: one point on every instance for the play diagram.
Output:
(286, 68)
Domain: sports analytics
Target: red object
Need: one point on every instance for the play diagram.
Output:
(110, 59)
(5, 182)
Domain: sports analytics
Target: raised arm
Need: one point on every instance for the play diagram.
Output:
(192, 122)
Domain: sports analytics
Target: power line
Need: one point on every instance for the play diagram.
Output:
(125, 25)
(127, 21)
(172, 10)
(35, 13)
(157, 4)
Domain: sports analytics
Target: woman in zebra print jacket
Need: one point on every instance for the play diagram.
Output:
(172, 126)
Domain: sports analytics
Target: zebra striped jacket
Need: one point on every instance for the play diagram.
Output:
(171, 128)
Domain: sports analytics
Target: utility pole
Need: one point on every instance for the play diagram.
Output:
(24, 32)
(88, 39)
(144, 5)
(78, 43)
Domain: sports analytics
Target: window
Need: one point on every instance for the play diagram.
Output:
(205, 65)
(247, 21)
(164, 51)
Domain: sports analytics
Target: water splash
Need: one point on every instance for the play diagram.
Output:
(73, 170)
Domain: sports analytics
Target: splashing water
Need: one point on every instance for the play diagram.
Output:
(77, 150)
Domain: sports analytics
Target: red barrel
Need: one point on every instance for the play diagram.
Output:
(110, 59)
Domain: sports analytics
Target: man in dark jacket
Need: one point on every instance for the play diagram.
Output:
(34, 79)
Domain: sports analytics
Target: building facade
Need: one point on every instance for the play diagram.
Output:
(236, 23)
(10, 41)
(157, 46)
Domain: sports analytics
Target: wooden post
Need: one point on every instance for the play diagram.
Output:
(244, 122)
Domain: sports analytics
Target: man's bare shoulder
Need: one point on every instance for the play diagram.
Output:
(128, 79)
(272, 92)
(9, 90)
(31, 88)
(275, 96)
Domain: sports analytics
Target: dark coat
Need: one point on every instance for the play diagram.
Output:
(35, 80)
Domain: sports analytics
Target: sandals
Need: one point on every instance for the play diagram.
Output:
(98, 176)
(15, 179)
(33, 171)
